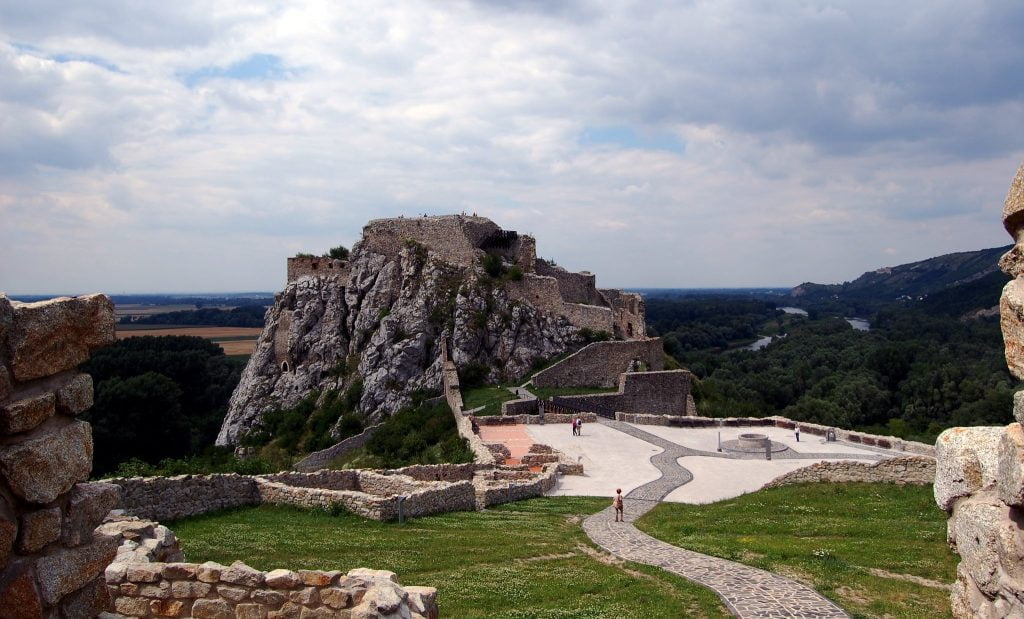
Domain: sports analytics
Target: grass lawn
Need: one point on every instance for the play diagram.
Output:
(490, 396)
(878, 550)
(548, 392)
(525, 559)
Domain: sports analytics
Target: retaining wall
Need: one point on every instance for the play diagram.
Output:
(656, 393)
(171, 498)
(601, 363)
(301, 266)
(320, 459)
(914, 470)
(498, 420)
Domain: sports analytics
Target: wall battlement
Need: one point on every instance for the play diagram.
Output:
(316, 266)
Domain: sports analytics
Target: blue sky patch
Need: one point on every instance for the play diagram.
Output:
(627, 137)
(255, 67)
(96, 60)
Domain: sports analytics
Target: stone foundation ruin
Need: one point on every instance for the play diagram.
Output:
(980, 476)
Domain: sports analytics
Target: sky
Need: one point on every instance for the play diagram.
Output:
(192, 146)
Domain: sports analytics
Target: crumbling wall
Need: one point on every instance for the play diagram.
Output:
(914, 470)
(600, 364)
(574, 287)
(51, 564)
(979, 479)
(317, 266)
(320, 459)
(453, 238)
(629, 313)
(171, 498)
(656, 393)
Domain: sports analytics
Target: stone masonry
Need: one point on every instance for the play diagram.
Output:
(599, 364)
(51, 563)
(980, 471)
(658, 393)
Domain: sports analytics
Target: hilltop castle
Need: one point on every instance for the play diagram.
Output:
(463, 240)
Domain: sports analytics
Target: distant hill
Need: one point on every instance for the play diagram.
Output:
(952, 284)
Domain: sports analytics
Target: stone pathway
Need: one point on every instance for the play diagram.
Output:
(747, 591)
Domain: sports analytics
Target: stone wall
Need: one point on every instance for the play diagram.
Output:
(859, 438)
(51, 564)
(218, 591)
(320, 459)
(599, 364)
(549, 418)
(592, 317)
(316, 266)
(914, 470)
(574, 287)
(171, 498)
(629, 311)
(657, 393)
(453, 238)
(979, 479)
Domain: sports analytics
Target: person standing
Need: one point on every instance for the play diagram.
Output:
(798, 434)
(617, 504)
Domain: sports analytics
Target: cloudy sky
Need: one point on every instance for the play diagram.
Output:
(193, 146)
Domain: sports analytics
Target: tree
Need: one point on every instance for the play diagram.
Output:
(338, 253)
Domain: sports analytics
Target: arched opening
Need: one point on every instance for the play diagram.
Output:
(285, 367)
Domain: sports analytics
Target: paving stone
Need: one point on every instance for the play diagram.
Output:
(746, 591)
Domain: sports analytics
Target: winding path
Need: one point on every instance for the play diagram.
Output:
(747, 591)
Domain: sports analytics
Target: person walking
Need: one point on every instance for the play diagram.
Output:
(798, 434)
(617, 504)
(579, 426)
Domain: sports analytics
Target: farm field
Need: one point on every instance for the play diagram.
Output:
(234, 340)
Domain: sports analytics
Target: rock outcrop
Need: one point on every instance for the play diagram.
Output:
(51, 563)
(378, 319)
(980, 471)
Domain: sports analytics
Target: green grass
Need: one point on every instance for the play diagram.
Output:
(525, 559)
(829, 536)
(490, 396)
(548, 392)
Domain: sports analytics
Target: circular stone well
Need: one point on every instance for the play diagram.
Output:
(753, 441)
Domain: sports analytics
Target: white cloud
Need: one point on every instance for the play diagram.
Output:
(813, 139)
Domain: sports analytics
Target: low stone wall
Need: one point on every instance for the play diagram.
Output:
(914, 470)
(171, 498)
(868, 440)
(217, 591)
(320, 459)
(656, 393)
(317, 266)
(499, 420)
(499, 490)
(601, 363)
(519, 407)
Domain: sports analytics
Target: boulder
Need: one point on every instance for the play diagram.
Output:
(42, 468)
(69, 569)
(75, 396)
(967, 459)
(51, 336)
(27, 413)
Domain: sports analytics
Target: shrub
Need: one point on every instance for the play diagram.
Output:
(338, 253)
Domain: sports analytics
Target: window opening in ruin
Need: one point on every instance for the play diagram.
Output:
(314, 266)
(629, 329)
(285, 367)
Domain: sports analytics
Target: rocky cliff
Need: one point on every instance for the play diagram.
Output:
(378, 318)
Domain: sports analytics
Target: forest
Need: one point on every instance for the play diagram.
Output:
(919, 370)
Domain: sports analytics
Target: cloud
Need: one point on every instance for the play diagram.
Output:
(653, 143)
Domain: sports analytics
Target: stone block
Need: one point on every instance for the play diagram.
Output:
(87, 506)
(128, 588)
(167, 608)
(967, 459)
(190, 589)
(974, 530)
(316, 578)
(8, 531)
(270, 598)
(290, 610)
(235, 594)
(423, 600)
(115, 573)
(212, 609)
(209, 571)
(241, 574)
(1018, 406)
(180, 571)
(88, 601)
(335, 598)
(132, 607)
(70, 569)
(75, 396)
(283, 579)
(38, 529)
(5, 382)
(161, 590)
(250, 611)
(144, 572)
(51, 336)
(1013, 207)
(306, 596)
(42, 468)
(1011, 321)
(20, 597)
(1011, 465)
(371, 575)
(25, 414)
(317, 613)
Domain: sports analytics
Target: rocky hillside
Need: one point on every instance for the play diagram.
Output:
(916, 280)
(376, 322)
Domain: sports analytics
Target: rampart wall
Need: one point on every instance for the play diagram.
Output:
(320, 459)
(979, 480)
(599, 364)
(317, 266)
(913, 470)
(574, 287)
(453, 238)
(51, 563)
(543, 293)
(656, 393)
